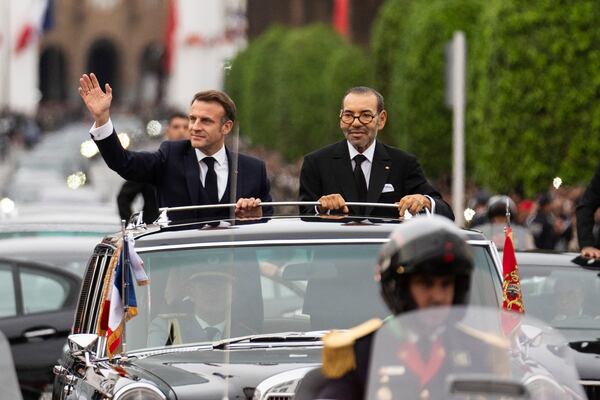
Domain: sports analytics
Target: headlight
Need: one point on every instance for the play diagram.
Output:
(283, 384)
(139, 391)
(543, 387)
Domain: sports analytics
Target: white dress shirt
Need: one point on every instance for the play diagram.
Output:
(102, 132)
(366, 165)
(221, 169)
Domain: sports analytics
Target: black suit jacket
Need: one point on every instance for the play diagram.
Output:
(329, 170)
(589, 203)
(175, 173)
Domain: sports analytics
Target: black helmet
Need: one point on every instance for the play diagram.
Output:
(424, 245)
(497, 206)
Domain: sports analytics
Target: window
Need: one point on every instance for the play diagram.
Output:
(8, 305)
(250, 290)
(42, 292)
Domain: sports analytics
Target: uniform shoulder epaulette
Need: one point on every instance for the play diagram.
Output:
(338, 348)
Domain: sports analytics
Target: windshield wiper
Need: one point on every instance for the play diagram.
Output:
(283, 337)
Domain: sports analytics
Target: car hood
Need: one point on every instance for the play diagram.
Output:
(213, 373)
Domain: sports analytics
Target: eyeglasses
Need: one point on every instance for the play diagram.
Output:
(364, 118)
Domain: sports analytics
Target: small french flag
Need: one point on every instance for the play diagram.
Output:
(40, 19)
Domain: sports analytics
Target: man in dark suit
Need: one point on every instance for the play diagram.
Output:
(177, 129)
(361, 169)
(188, 172)
(586, 209)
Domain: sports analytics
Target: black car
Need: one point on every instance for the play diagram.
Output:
(566, 295)
(258, 296)
(36, 313)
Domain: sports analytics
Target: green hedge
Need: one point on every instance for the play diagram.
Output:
(253, 82)
(536, 110)
(419, 120)
(388, 30)
(289, 85)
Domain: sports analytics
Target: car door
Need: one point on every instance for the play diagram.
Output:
(36, 314)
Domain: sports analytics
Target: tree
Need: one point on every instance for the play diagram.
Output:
(535, 109)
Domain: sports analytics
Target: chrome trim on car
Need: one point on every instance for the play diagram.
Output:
(289, 241)
(294, 375)
(138, 385)
(589, 383)
(259, 242)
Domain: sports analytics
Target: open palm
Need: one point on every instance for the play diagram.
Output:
(96, 100)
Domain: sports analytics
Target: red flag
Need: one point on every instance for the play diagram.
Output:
(340, 16)
(170, 35)
(511, 287)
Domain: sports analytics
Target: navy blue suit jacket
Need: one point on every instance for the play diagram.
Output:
(175, 172)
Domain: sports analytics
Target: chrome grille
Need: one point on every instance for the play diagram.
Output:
(592, 389)
(84, 315)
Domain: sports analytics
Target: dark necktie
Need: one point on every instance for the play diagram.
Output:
(212, 333)
(210, 181)
(359, 177)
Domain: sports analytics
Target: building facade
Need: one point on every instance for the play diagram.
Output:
(360, 14)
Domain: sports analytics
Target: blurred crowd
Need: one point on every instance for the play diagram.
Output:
(546, 221)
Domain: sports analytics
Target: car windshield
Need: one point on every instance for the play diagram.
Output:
(209, 294)
(566, 298)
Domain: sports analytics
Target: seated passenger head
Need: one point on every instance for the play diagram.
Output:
(425, 264)
(568, 295)
(211, 293)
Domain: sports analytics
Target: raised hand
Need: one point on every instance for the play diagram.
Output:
(96, 100)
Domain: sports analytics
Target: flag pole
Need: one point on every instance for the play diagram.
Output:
(124, 288)
(507, 213)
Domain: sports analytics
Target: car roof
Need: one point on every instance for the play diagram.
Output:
(48, 244)
(546, 258)
(40, 266)
(273, 229)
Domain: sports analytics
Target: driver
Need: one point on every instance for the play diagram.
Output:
(568, 299)
(202, 313)
(425, 264)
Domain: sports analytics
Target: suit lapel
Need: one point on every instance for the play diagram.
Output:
(380, 169)
(192, 175)
(228, 196)
(342, 169)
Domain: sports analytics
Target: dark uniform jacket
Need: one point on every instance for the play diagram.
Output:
(329, 170)
(586, 208)
(175, 173)
(471, 357)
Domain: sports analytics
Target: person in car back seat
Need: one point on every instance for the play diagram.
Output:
(360, 168)
(203, 314)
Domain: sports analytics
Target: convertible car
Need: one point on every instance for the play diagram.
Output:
(233, 308)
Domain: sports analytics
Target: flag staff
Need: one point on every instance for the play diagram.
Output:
(507, 213)
(124, 287)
